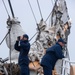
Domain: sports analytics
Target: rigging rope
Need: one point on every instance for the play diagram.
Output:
(5, 8)
(39, 9)
(52, 2)
(48, 16)
(11, 9)
(33, 36)
(4, 38)
(32, 11)
(50, 12)
(10, 50)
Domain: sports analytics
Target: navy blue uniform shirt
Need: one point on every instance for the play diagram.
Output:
(23, 47)
(52, 55)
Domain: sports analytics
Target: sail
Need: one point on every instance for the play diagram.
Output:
(15, 31)
(60, 20)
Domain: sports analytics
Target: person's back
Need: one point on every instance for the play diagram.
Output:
(49, 59)
(52, 55)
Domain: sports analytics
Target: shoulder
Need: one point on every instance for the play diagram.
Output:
(28, 43)
(57, 46)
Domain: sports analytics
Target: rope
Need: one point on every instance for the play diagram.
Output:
(51, 11)
(11, 8)
(48, 16)
(5, 8)
(4, 37)
(33, 36)
(39, 9)
(10, 51)
(52, 2)
(32, 11)
(10, 47)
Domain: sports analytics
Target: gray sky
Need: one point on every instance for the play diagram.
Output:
(22, 11)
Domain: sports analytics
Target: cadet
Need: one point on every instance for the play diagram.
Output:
(23, 46)
(52, 55)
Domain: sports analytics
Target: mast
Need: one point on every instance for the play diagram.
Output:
(11, 8)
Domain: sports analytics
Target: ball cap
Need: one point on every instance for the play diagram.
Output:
(61, 40)
(26, 36)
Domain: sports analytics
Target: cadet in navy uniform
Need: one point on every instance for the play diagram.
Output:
(23, 46)
(52, 55)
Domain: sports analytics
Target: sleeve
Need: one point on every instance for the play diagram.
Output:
(23, 45)
(59, 53)
(16, 46)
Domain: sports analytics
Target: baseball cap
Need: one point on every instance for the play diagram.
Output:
(26, 36)
(61, 40)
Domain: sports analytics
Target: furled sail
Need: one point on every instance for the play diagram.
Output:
(15, 31)
(60, 22)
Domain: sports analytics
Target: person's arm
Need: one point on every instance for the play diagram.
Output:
(16, 46)
(23, 45)
(59, 53)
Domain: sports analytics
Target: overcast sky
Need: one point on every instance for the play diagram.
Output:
(23, 12)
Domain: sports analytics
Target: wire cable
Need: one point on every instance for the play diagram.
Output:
(52, 2)
(5, 8)
(11, 8)
(32, 11)
(48, 16)
(33, 36)
(4, 38)
(51, 11)
(39, 9)
(10, 51)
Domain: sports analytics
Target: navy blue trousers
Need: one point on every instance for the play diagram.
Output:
(47, 70)
(24, 70)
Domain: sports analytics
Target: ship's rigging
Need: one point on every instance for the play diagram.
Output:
(44, 34)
